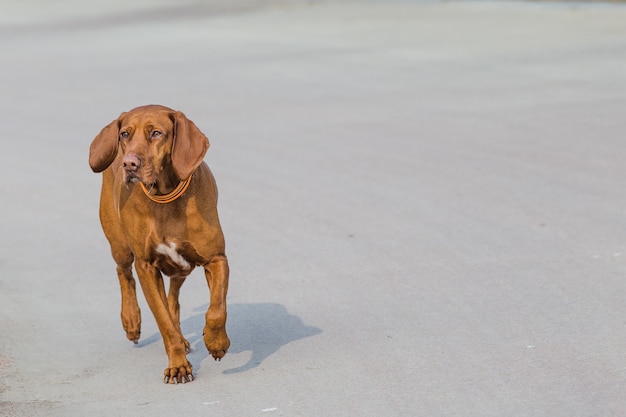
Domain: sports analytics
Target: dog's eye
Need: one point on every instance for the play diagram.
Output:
(124, 135)
(156, 134)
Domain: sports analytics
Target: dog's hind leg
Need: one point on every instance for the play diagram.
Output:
(131, 314)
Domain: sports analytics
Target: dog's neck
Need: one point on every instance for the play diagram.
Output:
(166, 182)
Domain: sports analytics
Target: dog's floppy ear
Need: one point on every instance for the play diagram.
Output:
(189, 147)
(103, 149)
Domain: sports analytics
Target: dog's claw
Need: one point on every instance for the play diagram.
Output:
(178, 375)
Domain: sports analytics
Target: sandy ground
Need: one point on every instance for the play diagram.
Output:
(424, 205)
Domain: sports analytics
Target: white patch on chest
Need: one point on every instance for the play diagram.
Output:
(170, 251)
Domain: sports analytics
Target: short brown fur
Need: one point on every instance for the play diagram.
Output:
(160, 147)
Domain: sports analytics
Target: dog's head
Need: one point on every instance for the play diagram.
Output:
(153, 140)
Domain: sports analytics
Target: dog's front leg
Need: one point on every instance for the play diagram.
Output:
(179, 368)
(215, 337)
(174, 306)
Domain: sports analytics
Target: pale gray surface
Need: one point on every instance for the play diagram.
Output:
(424, 205)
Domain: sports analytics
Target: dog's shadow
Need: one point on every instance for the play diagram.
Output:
(261, 328)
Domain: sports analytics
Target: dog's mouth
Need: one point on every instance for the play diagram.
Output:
(132, 178)
(145, 176)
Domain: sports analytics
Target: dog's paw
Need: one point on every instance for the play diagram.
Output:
(131, 322)
(218, 354)
(217, 343)
(179, 375)
(133, 336)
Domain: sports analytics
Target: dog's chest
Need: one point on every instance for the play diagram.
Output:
(172, 259)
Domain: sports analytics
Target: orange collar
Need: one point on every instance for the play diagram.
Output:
(168, 198)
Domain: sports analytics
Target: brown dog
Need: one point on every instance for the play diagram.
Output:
(158, 209)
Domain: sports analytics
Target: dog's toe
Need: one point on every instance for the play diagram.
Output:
(179, 375)
(218, 354)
